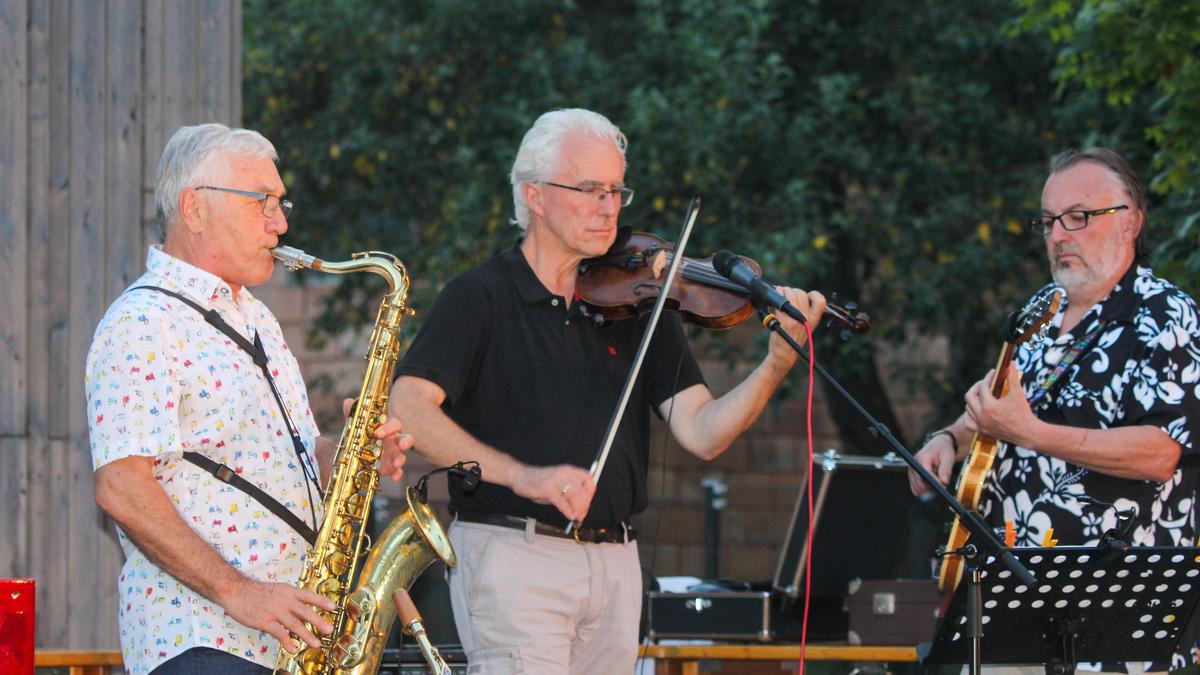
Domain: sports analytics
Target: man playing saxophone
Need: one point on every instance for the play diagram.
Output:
(192, 422)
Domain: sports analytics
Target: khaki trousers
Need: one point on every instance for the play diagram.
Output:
(540, 605)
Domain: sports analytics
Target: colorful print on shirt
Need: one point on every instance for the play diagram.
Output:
(159, 381)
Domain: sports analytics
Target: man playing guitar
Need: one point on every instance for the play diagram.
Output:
(1097, 416)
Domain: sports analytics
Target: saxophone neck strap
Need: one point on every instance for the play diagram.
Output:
(231, 477)
(257, 353)
(223, 473)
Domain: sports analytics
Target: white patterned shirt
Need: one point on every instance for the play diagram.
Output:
(161, 380)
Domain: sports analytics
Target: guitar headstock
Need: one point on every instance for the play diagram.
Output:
(1034, 318)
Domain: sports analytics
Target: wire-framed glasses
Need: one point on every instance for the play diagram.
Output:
(270, 203)
(622, 194)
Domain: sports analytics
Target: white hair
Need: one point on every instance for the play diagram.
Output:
(199, 155)
(540, 155)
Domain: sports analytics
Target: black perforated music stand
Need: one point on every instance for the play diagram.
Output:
(1088, 605)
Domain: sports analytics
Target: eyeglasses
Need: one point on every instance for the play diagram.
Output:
(270, 203)
(598, 191)
(1071, 220)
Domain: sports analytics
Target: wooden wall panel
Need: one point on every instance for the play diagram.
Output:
(51, 550)
(88, 294)
(91, 91)
(153, 132)
(14, 347)
(212, 69)
(124, 254)
(180, 53)
(58, 371)
(235, 59)
(13, 480)
(49, 485)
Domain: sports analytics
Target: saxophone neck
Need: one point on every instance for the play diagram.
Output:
(382, 263)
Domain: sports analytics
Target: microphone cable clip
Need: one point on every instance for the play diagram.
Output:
(469, 471)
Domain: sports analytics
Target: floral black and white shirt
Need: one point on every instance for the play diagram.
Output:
(1142, 368)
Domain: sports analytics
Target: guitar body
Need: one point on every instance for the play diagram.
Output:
(970, 493)
(1032, 321)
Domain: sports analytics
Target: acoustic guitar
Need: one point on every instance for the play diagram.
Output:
(1032, 321)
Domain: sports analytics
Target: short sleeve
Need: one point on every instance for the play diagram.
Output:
(1164, 389)
(448, 349)
(673, 367)
(132, 401)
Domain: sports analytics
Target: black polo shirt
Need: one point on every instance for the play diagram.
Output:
(531, 378)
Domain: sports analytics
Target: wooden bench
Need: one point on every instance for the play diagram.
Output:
(669, 659)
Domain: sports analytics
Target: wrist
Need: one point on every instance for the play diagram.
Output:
(779, 364)
(227, 586)
(943, 432)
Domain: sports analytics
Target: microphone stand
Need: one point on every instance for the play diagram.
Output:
(973, 552)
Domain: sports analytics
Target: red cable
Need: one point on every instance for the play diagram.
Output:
(812, 357)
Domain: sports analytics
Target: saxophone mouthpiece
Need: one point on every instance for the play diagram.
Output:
(293, 258)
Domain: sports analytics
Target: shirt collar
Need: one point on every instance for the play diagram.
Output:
(528, 285)
(1122, 302)
(183, 277)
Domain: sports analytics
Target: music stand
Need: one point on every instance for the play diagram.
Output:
(1088, 604)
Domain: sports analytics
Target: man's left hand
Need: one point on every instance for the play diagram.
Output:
(395, 444)
(812, 305)
(1008, 418)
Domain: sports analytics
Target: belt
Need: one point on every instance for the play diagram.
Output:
(586, 535)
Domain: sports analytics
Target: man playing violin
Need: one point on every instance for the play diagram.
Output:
(512, 371)
(1109, 401)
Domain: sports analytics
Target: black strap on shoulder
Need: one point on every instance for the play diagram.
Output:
(225, 474)
(230, 477)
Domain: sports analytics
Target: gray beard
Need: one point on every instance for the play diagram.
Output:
(1074, 277)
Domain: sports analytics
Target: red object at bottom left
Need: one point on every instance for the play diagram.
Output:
(16, 626)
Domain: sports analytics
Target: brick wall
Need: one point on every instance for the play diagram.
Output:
(764, 469)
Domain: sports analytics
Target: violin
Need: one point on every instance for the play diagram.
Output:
(626, 281)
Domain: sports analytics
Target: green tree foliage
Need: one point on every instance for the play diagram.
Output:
(886, 151)
(1145, 58)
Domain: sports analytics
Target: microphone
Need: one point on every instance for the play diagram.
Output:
(730, 266)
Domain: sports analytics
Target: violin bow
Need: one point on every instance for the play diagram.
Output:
(615, 421)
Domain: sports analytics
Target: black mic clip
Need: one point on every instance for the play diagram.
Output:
(1116, 539)
(468, 470)
(762, 294)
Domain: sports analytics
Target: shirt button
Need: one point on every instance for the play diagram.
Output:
(567, 322)
(554, 302)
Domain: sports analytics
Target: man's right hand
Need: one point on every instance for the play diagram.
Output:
(568, 488)
(278, 609)
(937, 457)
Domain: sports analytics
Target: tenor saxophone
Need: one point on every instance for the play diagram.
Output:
(413, 540)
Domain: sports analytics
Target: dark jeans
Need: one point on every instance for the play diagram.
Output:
(206, 661)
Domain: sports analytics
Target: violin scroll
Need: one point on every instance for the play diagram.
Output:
(848, 318)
